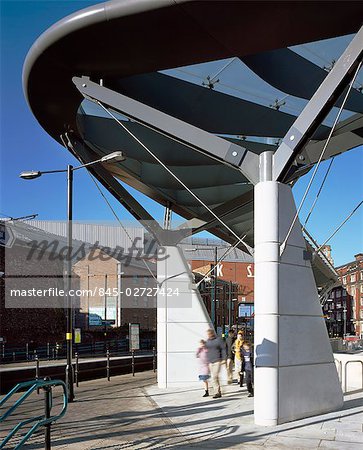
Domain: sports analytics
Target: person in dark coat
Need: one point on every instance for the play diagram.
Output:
(216, 358)
(247, 366)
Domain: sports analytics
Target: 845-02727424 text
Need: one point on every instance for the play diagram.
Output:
(97, 291)
(139, 291)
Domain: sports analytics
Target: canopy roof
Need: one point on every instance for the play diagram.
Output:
(127, 45)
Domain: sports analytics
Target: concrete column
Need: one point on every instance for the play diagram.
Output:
(295, 374)
(182, 321)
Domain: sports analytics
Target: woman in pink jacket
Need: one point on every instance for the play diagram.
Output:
(204, 374)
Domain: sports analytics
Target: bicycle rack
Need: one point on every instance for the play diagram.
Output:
(42, 420)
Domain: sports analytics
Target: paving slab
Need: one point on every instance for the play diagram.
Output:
(338, 445)
(133, 413)
(228, 422)
(349, 436)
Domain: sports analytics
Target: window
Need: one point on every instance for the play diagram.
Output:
(361, 301)
(344, 280)
(352, 278)
(338, 305)
(338, 294)
(111, 306)
(361, 313)
(361, 288)
(361, 276)
(246, 310)
(339, 316)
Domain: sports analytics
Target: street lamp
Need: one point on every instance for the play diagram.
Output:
(31, 175)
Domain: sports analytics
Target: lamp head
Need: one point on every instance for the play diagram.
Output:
(30, 174)
(114, 157)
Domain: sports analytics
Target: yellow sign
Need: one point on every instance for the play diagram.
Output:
(69, 336)
(77, 335)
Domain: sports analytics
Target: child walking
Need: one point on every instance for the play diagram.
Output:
(247, 360)
(203, 366)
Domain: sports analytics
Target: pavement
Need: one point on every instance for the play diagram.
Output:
(132, 413)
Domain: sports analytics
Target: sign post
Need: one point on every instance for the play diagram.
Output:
(134, 336)
(77, 335)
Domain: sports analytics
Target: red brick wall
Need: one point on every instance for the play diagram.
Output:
(237, 272)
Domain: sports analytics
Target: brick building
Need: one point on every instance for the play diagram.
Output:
(338, 310)
(236, 267)
(25, 317)
(351, 278)
(240, 273)
(114, 292)
(27, 321)
(226, 301)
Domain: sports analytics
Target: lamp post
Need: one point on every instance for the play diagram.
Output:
(344, 319)
(30, 175)
(214, 287)
(214, 301)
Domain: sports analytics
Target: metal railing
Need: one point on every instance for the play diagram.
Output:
(339, 369)
(346, 373)
(108, 367)
(44, 420)
(54, 351)
(351, 346)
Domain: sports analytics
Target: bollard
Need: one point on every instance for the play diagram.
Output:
(3, 350)
(154, 360)
(77, 369)
(13, 356)
(37, 370)
(47, 407)
(27, 351)
(108, 365)
(53, 353)
(48, 351)
(133, 362)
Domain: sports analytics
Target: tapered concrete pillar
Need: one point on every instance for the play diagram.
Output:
(182, 321)
(295, 374)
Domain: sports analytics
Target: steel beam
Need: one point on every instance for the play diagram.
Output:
(85, 155)
(318, 107)
(215, 147)
(168, 212)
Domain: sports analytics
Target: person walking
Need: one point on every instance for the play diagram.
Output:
(202, 355)
(247, 358)
(216, 357)
(237, 357)
(230, 355)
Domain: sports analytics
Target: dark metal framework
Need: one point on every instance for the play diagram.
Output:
(193, 130)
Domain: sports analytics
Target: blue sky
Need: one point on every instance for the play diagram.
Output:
(25, 146)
